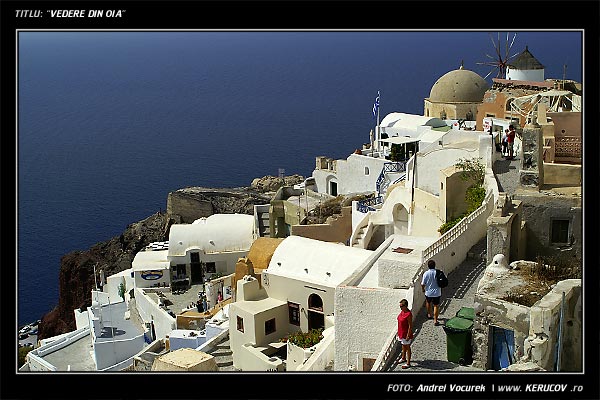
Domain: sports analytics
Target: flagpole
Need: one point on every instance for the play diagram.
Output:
(378, 132)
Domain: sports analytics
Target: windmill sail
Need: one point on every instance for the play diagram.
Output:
(499, 63)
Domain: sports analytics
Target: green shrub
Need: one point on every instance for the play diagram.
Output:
(22, 353)
(304, 339)
(446, 226)
(474, 198)
(122, 289)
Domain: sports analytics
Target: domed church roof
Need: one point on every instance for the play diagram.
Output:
(458, 86)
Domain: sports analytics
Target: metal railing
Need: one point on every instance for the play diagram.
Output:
(389, 167)
(364, 206)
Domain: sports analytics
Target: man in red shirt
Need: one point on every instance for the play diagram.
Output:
(510, 138)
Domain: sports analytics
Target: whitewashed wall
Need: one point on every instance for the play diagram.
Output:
(150, 311)
(395, 195)
(364, 318)
(425, 219)
(427, 177)
(323, 354)
(253, 359)
(113, 282)
(295, 291)
(352, 177)
(534, 75)
(238, 339)
(113, 352)
(140, 282)
(322, 177)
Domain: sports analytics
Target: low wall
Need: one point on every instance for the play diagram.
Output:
(562, 174)
(545, 326)
(360, 334)
(337, 229)
(490, 311)
(150, 311)
(253, 359)
(64, 341)
(213, 341)
(323, 354)
(113, 352)
(37, 363)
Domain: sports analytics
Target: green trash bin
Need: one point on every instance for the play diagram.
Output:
(466, 312)
(458, 340)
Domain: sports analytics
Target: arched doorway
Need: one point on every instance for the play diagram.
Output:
(316, 318)
(400, 214)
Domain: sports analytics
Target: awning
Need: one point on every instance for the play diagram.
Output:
(400, 140)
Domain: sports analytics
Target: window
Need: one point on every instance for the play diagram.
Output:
(211, 267)
(180, 271)
(195, 257)
(269, 326)
(294, 312)
(315, 302)
(240, 324)
(366, 170)
(560, 231)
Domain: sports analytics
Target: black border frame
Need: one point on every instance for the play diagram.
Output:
(325, 15)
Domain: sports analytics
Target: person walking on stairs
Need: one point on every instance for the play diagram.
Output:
(405, 332)
(432, 291)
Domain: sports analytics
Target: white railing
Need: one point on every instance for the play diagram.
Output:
(447, 238)
(390, 348)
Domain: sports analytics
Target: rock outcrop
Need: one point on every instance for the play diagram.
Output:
(272, 183)
(76, 275)
(187, 205)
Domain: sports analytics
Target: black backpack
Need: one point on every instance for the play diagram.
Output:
(441, 278)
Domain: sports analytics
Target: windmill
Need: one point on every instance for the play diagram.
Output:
(499, 62)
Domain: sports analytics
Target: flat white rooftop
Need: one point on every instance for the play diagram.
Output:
(78, 356)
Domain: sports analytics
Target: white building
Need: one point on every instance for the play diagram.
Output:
(525, 67)
(298, 290)
(362, 172)
(209, 246)
(403, 232)
(151, 268)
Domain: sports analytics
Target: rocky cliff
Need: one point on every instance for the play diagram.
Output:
(76, 275)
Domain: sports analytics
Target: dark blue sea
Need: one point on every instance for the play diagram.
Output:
(110, 122)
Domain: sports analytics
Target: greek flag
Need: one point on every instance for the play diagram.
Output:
(376, 105)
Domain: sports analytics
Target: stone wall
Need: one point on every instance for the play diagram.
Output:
(189, 204)
(539, 210)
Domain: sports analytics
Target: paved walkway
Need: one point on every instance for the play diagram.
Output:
(507, 174)
(429, 353)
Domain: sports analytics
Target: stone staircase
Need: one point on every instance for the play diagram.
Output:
(358, 239)
(223, 355)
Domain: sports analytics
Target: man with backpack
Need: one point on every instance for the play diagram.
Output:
(432, 290)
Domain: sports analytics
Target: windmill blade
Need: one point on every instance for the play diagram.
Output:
(488, 74)
(506, 45)
(513, 41)
(494, 44)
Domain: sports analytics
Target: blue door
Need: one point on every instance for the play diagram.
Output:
(503, 348)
